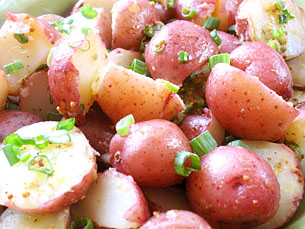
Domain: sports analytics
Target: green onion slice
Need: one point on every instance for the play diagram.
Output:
(88, 12)
(10, 154)
(21, 38)
(13, 67)
(41, 163)
(122, 126)
(283, 18)
(180, 159)
(212, 23)
(187, 12)
(82, 223)
(232, 30)
(58, 137)
(174, 88)
(276, 33)
(220, 58)
(215, 37)
(279, 5)
(86, 30)
(40, 142)
(239, 143)
(203, 144)
(50, 55)
(171, 4)
(149, 31)
(14, 140)
(286, 12)
(273, 44)
(183, 57)
(138, 66)
(160, 47)
(66, 124)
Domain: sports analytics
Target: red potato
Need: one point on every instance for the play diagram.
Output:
(41, 38)
(122, 92)
(194, 125)
(16, 219)
(229, 42)
(226, 11)
(203, 8)
(246, 196)
(297, 69)
(37, 84)
(129, 18)
(10, 121)
(287, 168)
(123, 57)
(113, 201)
(246, 107)
(74, 170)
(3, 89)
(70, 78)
(177, 219)
(164, 13)
(257, 25)
(179, 36)
(153, 145)
(270, 68)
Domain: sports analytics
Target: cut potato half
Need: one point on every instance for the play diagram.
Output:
(3, 89)
(36, 192)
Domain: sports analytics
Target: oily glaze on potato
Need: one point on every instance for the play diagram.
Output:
(245, 106)
(297, 69)
(288, 171)
(41, 38)
(3, 89)
(177, 219)
(35, 192)
(122, 92)
(149, 144)
(176, 37)
(257, 25)
(113, 201)
(235, 188)
(270, 68)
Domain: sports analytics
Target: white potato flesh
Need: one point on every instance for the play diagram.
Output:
(297, 68)
(107, 5)
(257, 25)
(3, 89)
(35, 192)
(37, 84)
(298, 98)
(13, 219)
(31, 54)
(288, 171)
(50, 17)
(113, 201)
(123, 57)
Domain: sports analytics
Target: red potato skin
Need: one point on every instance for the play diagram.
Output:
(150, 145)
(104, 27)
(270, 67)
(245, 106)
(179, 36)
(247, 196)
(11, 120)
(229, 42)
(178, 219)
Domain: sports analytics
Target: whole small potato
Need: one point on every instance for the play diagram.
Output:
(173, 38)
(229, 42)
(148, 152)
(234, 189)
(270, 68)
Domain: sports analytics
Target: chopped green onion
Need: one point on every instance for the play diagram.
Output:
(150, 31)
(283, 18)
(82, 223)
(174, 88)
(220, 58)
(296, 148)
(66, 124)
(160, 47)
(204, 143)
(232, 30)
(180, 159)
(88, 12)
(10, 154)
(171, 4)
(215, 37)
(13, 67)
(50, 55)
(40, 142)
(58, 137)
(138, 66)
(187, 12)
(24, 157)
(286, 12)
(70, 21)
(81, 49)
(122, 126)
(143, 43)
(21, 38)
(41, 163)
(279, 5)
(86, 31)
(273, 45)
(276, 33)
(212, 23)
(14, 140)
(239, 143)
(183, 57)
(55, 116)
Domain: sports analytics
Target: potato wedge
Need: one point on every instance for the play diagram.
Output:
(113, 201)
(3, 89)
(123, 57)
(288, 171)
(13, 219)
(297, 68)
(33, 52)
(122, 92)
(74, 170)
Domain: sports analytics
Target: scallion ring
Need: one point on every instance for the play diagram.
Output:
(220, 58)
(203, 144)
(180, 159)
(187, 12)
(215, 37)
(21, 38)
(13, 67)
(41, 163)
(183, 57)
(212, 23)
(122, 126)
(160, 47)
(82, 223)
(66, 124)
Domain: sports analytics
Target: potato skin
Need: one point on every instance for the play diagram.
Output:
(270, 68)
(148, 151)
(245, 106)
(179, 36)
(178, 219)
(229, 42)
(248, 195)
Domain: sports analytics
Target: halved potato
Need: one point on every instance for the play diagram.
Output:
(113, 201)
(288, 171)
(74, 170)
(122, 92)
(41, 37)
(3, 89)
(123, 57)
(13, 219)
